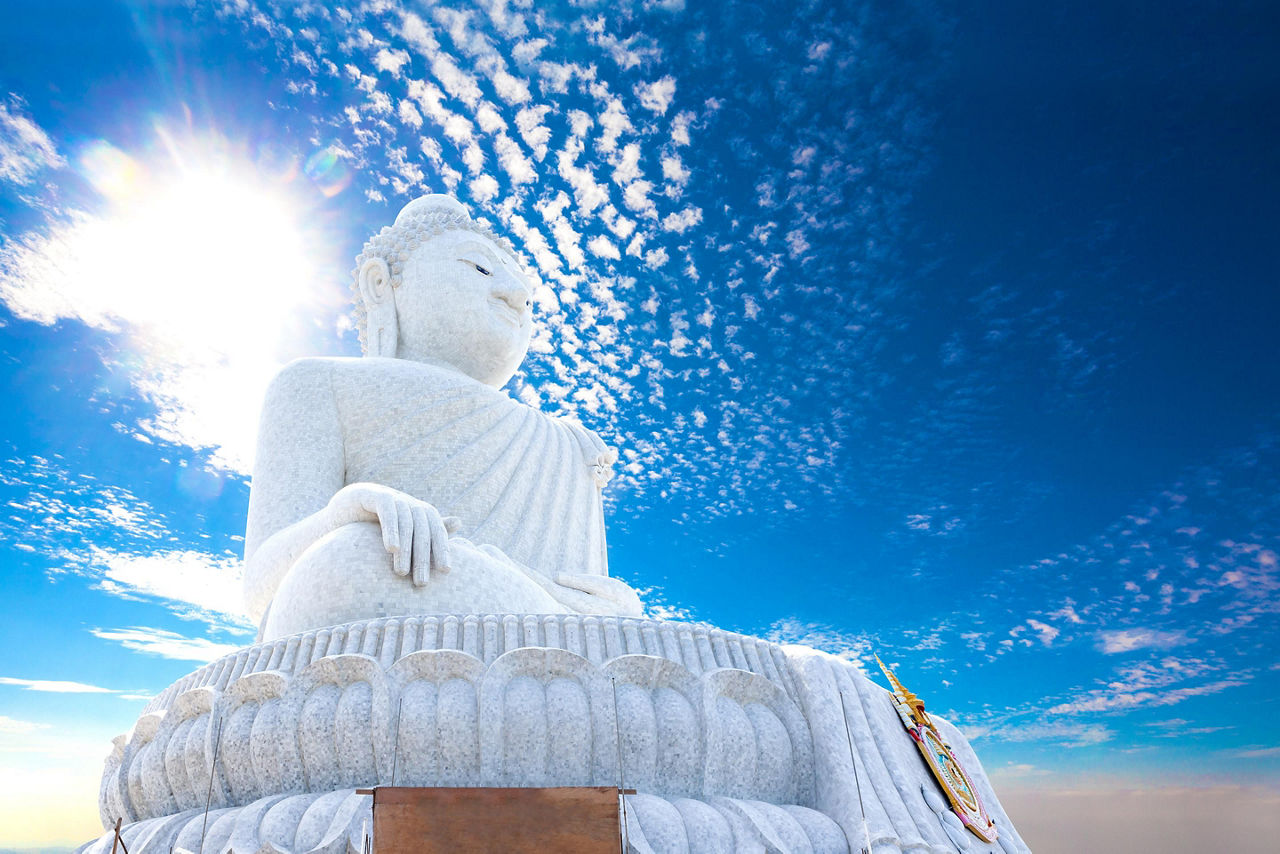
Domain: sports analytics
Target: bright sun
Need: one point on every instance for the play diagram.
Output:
(204, 263)
(203, 252)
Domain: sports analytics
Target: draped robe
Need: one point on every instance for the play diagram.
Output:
(522, 481)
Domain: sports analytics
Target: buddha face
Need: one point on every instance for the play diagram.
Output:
(463, 302)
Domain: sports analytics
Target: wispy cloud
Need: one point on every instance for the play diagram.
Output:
(1182, 728)
(166, 644)
(1129, 640)
(12, 726)
(54, 686)
(51, 509)
(1257, 753)
(854, 647)
(194, 585)
(1154, 684)
(656, 95)
(25, 148)
(1065, 733)
(595, 176)
(120, 543)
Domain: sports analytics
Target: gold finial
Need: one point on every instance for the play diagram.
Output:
(913, 702)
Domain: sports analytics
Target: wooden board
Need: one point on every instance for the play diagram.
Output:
(577, 820)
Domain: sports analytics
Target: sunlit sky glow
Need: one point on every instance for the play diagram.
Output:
(937, 333)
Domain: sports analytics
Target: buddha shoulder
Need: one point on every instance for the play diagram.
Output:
(312, 385)
(345, 375)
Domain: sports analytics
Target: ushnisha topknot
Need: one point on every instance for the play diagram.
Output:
(419, 221)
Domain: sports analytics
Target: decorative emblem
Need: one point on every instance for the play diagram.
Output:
(937, 754)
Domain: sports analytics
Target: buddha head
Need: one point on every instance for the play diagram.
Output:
(438, 287)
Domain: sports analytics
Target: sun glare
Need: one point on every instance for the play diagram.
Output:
(204, 257)
(204, 263)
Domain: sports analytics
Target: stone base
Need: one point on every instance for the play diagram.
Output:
(737, 744)
(336, 823)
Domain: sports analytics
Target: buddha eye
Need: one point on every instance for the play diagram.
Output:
(481, 270)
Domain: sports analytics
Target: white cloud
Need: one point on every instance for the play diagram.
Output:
(458, 83)
(1151, 684)
(25, 149)
(512, 89)
(193, 584)
(12, 726)
(680, 128)
(674, 170)
(1258, 753)
(51, 509)
(531, 123)
(489, 119)
(1046, 632)
(1066, 733)
(555, 76)
(617, 223)
(53, 686)
(613, 123)
(484, 188)
(626, 164)
(409, 114)
(527, 50)
(853, 647)
(656, 96)
(682, 221)
(518, 167)
(630, 52)
(165, 644)
(797, 242)
(1128, 640)
(587, 192)
(603, 247)
(1067, 612)
(818, 50)
(390, 61)
(636, 198)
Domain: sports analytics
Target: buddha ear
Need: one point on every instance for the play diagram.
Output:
(381, 331)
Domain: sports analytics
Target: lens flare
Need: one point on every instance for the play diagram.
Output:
(328, 171)
(112, 173)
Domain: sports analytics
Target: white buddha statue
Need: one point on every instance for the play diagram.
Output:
(407, 482)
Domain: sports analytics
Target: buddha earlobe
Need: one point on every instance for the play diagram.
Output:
(375, 281)
(381, 331)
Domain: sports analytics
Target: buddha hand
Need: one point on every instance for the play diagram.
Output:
(413, 531)
(597, 594)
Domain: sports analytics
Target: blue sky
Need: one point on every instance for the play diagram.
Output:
(942, 333)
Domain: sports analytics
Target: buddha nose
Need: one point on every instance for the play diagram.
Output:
(515, 293)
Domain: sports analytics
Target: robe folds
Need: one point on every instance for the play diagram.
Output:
(520, 480)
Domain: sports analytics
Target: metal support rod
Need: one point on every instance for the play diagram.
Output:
(208, 800)
(853, 756)
(622, 783)
(395, 750)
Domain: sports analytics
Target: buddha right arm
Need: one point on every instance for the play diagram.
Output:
(413, 533)
(298, 495)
